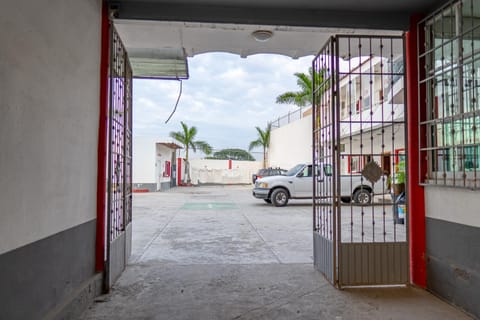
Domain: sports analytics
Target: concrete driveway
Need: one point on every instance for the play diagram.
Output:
(218, 253)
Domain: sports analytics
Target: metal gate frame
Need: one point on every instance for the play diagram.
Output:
(119, 163)
(379, 258)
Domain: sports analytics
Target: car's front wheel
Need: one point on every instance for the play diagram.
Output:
(279, 197)
(362, 196)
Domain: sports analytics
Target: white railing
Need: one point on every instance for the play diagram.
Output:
(288, 118)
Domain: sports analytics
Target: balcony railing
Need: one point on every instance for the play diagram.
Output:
(288, 118)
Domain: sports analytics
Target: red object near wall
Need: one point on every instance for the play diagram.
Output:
(167, 170)
(416, 195)
(229, 164)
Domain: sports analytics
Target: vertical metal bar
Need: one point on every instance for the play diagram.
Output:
(336, 150)
(361, 160)
(370, 88)
(350, 101)
(125, 141)
(335, 222)
(315, 147)
(406, 143)
(461, 90)
(382, 106)
(475, 101)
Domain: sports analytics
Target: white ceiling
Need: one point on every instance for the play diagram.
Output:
(161, 41)
(197, 38)
(160, 34)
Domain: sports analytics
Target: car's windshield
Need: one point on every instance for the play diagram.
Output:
(294, 170)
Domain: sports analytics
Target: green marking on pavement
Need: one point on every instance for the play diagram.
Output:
(209, 205)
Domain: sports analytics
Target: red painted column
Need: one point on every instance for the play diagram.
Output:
(102, 143)
(416, 196)
(179, 171)
(229, 164)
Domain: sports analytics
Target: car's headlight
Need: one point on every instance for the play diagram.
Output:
(262, 185)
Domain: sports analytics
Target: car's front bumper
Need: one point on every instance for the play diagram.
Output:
(260, 193)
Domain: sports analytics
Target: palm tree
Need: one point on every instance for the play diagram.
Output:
(263, 140)
(187, 139)
(303, 97)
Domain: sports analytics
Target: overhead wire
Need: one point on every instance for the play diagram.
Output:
(176, 104)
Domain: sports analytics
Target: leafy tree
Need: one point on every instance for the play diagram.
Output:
(187, 139)
(263, 141)
(304, 97)
(233, 154)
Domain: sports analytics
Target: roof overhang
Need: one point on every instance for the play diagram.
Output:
(170, 145)
(160, 34)
(158, 63)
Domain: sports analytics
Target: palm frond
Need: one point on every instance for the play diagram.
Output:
(263, 137)
(304, 81)
(303, 97)
(287, 98)
(178, 136)
(203, 146)
(254, 144)
(185, 128)
(192, 132)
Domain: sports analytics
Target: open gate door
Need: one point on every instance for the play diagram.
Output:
(360, 234)
(119, 166)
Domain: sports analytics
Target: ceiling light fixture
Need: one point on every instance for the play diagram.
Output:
(262, 35)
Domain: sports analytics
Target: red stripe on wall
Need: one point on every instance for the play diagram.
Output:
(102, 143)
(416, 196)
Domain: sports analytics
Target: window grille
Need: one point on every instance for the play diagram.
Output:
(449, 83)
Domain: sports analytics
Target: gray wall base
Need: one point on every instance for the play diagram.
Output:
(453, 263)
(79, 301)
(165, 186)
(45, 275)
(323, 256)
(152, 187)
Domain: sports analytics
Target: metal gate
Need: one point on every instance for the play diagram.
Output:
(119, 166)
(360, 209)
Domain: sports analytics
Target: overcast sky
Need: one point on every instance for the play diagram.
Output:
(225, 98)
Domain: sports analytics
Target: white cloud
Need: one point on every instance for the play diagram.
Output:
(225, 97)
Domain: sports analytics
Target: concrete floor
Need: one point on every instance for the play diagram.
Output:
(218, 253)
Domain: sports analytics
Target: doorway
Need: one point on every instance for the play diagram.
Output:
(359, 238)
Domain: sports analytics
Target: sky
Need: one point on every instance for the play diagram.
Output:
(225, 97)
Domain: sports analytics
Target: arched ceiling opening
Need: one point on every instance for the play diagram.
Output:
(160, 35)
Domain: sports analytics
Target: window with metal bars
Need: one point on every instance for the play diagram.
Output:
(450, 84)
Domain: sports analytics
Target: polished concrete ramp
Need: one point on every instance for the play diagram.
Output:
(218, 253)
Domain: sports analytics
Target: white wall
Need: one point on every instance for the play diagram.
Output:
(143, 150)
(49, 98)
(217, 171)
(163, 154)
(374, 146)
(291, 144)
(453, 205)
